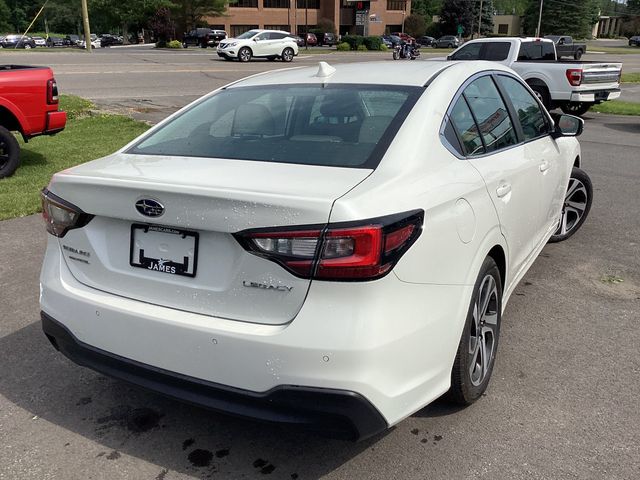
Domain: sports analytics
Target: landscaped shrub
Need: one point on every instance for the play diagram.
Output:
(372, 43)
(383, 47)
(354, 41)
(343, 47)
(174, 44)
(362, 48)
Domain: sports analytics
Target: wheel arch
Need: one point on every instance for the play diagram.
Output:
(9, 119)
(576, 162)
(537, 82)
(499, 256)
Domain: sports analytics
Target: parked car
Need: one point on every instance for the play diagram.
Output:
(566, 48)
(71, 40)
(326, 39)
(571, 85)
(55, 42)
(391, 40)
(635, 40)
(310, 39)
(310, 246)
(95, 43)
(270, 44)
(39, 41)
(29, 106)
(108, 40)
(299, 40)
(425, 41)
(18, 41)
(448, 41)
(203, 37)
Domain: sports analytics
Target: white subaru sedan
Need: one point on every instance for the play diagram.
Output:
(331, 247)
(269, 44)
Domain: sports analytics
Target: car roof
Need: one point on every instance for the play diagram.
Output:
(376, 73)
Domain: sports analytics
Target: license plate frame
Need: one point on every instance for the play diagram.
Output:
(138, 259)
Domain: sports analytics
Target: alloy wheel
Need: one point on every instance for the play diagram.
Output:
(575, 204)
(484, 325)
(4, 154)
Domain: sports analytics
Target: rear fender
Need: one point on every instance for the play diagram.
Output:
(12, 118)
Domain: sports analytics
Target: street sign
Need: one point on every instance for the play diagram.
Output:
(460, 30)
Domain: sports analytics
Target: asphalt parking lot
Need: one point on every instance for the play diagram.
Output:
(563, 401)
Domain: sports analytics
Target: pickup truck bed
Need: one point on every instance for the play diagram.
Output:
(28, 105)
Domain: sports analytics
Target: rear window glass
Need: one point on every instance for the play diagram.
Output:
(496, 51)
(335, 125)
(536, 51)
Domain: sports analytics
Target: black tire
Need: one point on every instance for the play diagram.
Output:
(287, 54)
(578, 54)
(576, 108)
(245, 54)
(450, 45)
(543, 94)
(9, 153)
(465, 389)
(396, 55)
(580, 194)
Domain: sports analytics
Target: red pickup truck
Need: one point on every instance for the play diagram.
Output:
(28, 105)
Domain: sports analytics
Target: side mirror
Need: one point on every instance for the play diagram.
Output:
(567, 126)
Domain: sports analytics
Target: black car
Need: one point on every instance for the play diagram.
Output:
(18, 41)
(328, 39)
(298, 39)
(107, 40)
(391, 40)
(71, 40)
(634, 41)
(55, 42)
(425, 41)
(203, 37)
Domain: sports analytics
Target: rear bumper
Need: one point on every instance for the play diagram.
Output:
(342, 413)
(56, 121)
(592, 96)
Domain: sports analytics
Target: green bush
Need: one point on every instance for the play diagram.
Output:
(354, 41)
(372, 43)
(383, 47)
(174, 44)
(343, 47)
(362, 48)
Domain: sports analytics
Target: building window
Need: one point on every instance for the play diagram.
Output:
(396, 5)
(245, 4)
(284, 28)
(302, 29)
(276, 3)
(503, 29)
(240, 29)
(310, 4)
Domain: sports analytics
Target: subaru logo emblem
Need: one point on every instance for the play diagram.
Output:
(149, 207)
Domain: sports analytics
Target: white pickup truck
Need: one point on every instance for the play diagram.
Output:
(572, 85)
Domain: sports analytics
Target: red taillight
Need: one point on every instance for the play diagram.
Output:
(574, 75)
(363, 250)
(52, 92)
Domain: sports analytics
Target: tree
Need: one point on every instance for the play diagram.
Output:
(191, 13)
(5, 14)
(163, 26)
(571, 17)
(326, 25)
(487, 17)
(415, 25)
(510, 7)
(454, 13)
(426, 8)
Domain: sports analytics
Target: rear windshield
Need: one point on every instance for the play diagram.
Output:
(334, 125)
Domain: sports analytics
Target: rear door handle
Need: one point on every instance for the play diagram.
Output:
(503, 189)
(545, 165)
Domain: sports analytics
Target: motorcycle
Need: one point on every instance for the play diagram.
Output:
(406, 51)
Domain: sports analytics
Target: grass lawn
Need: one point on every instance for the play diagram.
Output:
(617, 107)
(86, 137)
(631, 77)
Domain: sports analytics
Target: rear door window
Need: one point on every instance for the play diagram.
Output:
(496, 51)
(536, 51)
(468, 52)
(466, 128)
(491, 114)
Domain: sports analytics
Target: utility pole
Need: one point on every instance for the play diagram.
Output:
(85, 22)
(539, 19)
(479, 21)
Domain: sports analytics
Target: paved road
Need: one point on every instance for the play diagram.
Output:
(563, 402)
(150, 84)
